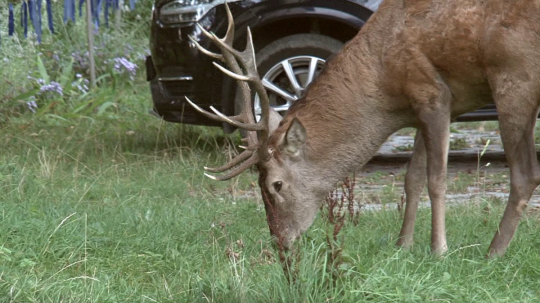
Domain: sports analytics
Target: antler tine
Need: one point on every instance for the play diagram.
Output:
(223, 118)
(247, 58)
(231, 74)
(249, 147)
(237, 123)
(259, 87)
(205, 51)
(241, 66)
(229, 35)
(235, 161)
(238, 170)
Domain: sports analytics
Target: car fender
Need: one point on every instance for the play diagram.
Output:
(350, 13)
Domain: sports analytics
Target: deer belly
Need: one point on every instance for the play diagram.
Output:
(468, 97)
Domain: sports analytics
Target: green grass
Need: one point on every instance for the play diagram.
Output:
(92, 214)
(458, 143)
(482, 125)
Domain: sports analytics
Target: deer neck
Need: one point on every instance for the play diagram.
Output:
(347, 114)
(338, 149)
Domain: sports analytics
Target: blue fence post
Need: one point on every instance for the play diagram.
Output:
(49, 16)
(90, 33)
(38, 20)
(73, 10)
(106, 12)
(11, 20)
(66, 13)
(35, 6)
(69, 11)
(24, 18)
(96, 13)
(32, 9)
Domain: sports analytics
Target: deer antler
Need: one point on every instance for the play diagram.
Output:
(242, 67)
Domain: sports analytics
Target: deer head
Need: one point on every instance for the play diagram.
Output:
(291, 192)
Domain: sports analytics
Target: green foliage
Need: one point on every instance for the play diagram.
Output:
(481, 126)
(458, 143)
(61, 60)
(404, 148)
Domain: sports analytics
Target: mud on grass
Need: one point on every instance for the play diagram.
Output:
(97, 214)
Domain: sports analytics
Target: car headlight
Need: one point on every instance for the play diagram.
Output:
(187, 10)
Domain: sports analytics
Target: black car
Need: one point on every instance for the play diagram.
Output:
(292, 39)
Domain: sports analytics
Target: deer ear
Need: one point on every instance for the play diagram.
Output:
(295, 138)
(274, 120)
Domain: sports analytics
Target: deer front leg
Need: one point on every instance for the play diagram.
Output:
(436, 133)
(431, 99)
(415, 180)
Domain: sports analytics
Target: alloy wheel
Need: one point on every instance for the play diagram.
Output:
(287, 81)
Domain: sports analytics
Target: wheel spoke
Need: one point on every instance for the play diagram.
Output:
(305, 68)
(281, 108)
(312, 71)
(257, 110)
(277, 90)
(287, 67)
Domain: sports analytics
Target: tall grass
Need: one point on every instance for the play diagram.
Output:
(108, 217)
(61, 60)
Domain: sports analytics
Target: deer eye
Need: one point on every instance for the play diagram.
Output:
(277, 185)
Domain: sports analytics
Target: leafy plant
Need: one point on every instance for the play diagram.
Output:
(339, 206)
(459, 143)
(404, 148)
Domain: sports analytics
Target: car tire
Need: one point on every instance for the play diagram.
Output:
(297, 49)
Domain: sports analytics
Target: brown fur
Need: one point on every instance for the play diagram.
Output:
(416, 63)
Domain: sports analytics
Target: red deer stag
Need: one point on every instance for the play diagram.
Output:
(416, 63)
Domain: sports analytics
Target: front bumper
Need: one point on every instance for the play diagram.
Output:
(168, 96)
(176, 69)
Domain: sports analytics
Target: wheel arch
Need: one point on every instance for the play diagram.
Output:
(290, 21)
(304, 24)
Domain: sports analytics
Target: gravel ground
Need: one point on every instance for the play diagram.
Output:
(488, 177)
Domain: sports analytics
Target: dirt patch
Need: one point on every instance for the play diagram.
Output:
(471, 177)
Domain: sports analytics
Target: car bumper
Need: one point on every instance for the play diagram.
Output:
(176, 70)
(168, 96)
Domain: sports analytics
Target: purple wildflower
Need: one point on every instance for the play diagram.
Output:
(122, 64)
(32, 105)
(81, 83)
(39, 81)
(52, 87)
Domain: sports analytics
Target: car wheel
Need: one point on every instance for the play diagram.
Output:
(288, 65)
